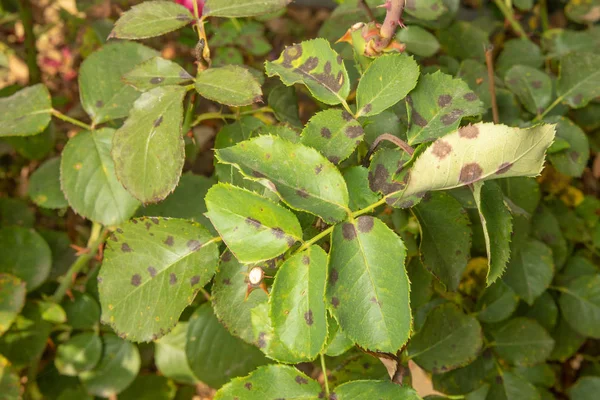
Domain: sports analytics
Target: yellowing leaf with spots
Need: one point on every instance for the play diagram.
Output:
(368, 288)
(152, 269)
(317, 65)
(476, 153)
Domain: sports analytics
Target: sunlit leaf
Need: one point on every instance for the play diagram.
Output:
(78, 354)
(242, 8)
(579, 79)
(170, 358)
(156, 71)
(230, 85)
(151, 18)
(12, 300)
(366, 389)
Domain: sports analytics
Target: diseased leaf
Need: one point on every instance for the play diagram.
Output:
(387, 80)
(284, 102)
(158, 262)
(448, 340)
(303, 178)
(315, 64)
(44, 185)
(571, 161)
(230, 85)
(530, 270)
(242, 8)
(265, 338)
(25, 254)
(357, 180)
(12, 300)
(104, 96)
(80, 353)
(437, 105)
(89, 182)
(213, 354)
(427, 10)
(297, 303)
(475, 74)
(367, 389)
(476, 153)
(532, 86)
(156, 71)
(118, 367)
(148, 150)
(580, 305)
(560, 42)
(445, 237)
(579, 79)
(366, 283)
(259, 385)
(26, 112)
(253, 227)
(151, 18)
(170, 358)
(522, 341)
(496, 222)
(334, 133)
(9, 380)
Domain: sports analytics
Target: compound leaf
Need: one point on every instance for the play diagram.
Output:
(26, 112)
(230, 85)
(151, 18)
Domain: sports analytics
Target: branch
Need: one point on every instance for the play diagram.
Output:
(492, 85)
(391, 22)
(390, 138)
(25, 12)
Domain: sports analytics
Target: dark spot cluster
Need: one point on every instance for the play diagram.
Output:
(444, 100)
(468, 132)
(333, 159)
(348, 231)
(328, 79)
(310, 64)
(125, 248)
(172, 279)
(308, 317)
(333, 276)
(248, 385)
(536, 84)
(379, 180)
(148, 225)
(441, 149)
(305, 260)
(99, 104)
(253, 222)
(169, 241)
(365, 223)
(300, 380)
(415, 117)
(136, 280)
(226, 282)
(451, 117)
(354, 131)
(326, 133)
(302, 193)
(152, 271)
(470, 173)
(226, 256)
(346, 116)
(278, 233)
(471, 96)
(335, 302)
(318, 169)
(367, 108)
(158, 121)
(194, 280)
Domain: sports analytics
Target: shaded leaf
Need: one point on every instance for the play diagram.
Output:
(12, 300)
(103, 94)
(532, 86)
(437, 105)
(78, 354)
(156, 71)
(297, 303)
(159, 262)
(230, 85)
(364, 389)
(26, 112)
(44, 185)
(475, 74)
(579, 79)
(497, 303)
(580, 305)
(544, 310)
(170, 357)
(464, 40)
(284, 102)
(83, 312)
(586, 388)
(9, 380)
(539, 375)
(148, 150)
(376, 94)
(519, 52)
(545, 227)
(583, 12)
(315, 64)
(213, 354)
(560, 42)
(25, 254)
(357, 180)
(466, 379)
(242, 8)
(34, 147)
(445, 237)
(522, 341)
(89, 181)
(334, 133)
(449, 339)
(366, 283)
(314, 185)
(567, 341)
(510, 386)
(337, 342)
(573, 160)
(418, 41)
(151, 18)
(149, 386)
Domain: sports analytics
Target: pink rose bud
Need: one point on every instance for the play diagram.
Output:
(190, 5)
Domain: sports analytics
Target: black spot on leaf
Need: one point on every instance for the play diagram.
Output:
(451, 117)
(365, 224)
(125, 248)
(335, 302)
(152, 271)
(333, 276)
(318, 169)
(503, 168)
(193, 245)
(195, 280)
(278, 233)
(227, 282)
(136, 280)
(248, 385)
(308, 317)
(301, 380)
(302, 193)
(468, 132)
(354, 131)
(253, 222)
(470, 173)
(156, 80)
(305, 260)
(172, 279)
(471, 96)
(441, 149)
(348, 231)
(326, 133)
(444, 100)
(154, 220)
(99, 104)
(169, 241)
(367, 108)
(158, 121)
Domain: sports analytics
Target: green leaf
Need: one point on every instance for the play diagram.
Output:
(530, 270)
(510, 386)
(213, 354)
(586, 388)
(583, 12)
(83, 312)
(368, 288)
(26, 112)
(532, 86)
(148, 150)
(544, 310)
(312, 185)
(539, 375)
(297, 303)
(25, 254)
(118, 367)
(315, 64)
(475, 74)
(445, 237)
(259, 385)
(448, 340)
(170, 357)
(464, 40)
(437, 105)
(284, 102)
(334, 133)
(153, 387)
(567, 341)
(418, 41)
(573, 160)
(230, 85)
(522, 341)
(151, 18)
(253, 227)
(466, 379)
(104, 96)
(479, 152)
(159, 262)
(78, 354)
(12, 300)
(363, 389)
(242, 8)
(579, 79)
(497, 303)
(44, 185)
(545, 227)
(357, 180)
(229, 300)
(519, 52)
(15, 212)
(580, 305)
(376, 93)
(36, 147)
(337, 342)
(497, 226)
(560, 42)
(89, 182)
(53, 312)
(9, 380)
(156, 71)
(26, 339)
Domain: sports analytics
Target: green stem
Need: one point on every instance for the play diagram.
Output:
(189, 113)
(508, 14)
(219, 115)
(368, 208)
(96, 238)
(25, 12)
(315, 239)
(73, 121)
(325, 378)
(548, 109)
(197, 16)
(544, 15)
